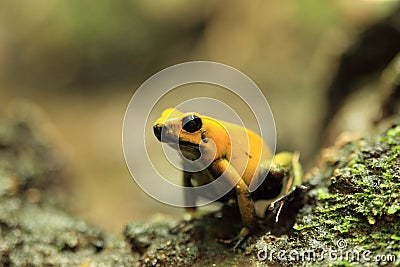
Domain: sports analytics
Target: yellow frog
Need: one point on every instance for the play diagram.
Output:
(233, 153)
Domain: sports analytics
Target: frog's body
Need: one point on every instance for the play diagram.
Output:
(239, 155)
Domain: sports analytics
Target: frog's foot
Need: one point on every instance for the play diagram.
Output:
(280, 202)
(189, 216)
(191, 213)
(235, 242)
(288, 196)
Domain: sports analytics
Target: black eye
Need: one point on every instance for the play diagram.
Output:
(191, 123)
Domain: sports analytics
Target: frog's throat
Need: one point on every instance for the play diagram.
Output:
(185, 145)
(188, 144)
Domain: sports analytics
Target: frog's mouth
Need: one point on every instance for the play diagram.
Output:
(183, 145)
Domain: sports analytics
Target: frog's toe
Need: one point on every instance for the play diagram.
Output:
(188, 216)
(235, 242)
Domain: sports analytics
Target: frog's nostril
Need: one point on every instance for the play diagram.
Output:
(157, 131)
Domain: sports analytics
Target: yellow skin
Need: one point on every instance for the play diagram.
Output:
(234, 158)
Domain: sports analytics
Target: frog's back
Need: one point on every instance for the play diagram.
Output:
(246, 151)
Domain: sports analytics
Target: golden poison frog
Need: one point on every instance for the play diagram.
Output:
(235, 153)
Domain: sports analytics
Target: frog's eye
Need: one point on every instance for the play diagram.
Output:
(191, 123)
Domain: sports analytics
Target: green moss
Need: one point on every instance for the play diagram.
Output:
(353, 198)
(395, 237)
(342, 264)
(303, 226)
(393, 209)
(356, 197)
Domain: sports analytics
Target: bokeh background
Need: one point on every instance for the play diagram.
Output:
(81, 61)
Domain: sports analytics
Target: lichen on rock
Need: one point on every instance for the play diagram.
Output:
(353, 204)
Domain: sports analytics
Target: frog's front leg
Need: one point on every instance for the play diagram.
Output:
(189, 197)
(245, 202)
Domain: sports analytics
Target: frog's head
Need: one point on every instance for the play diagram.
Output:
(175, 127)
(187, 131)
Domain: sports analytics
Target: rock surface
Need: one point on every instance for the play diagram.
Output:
(351, 214)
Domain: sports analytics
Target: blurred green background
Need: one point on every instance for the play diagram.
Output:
(81, 61)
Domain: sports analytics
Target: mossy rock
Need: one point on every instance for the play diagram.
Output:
(353, 206)
(351, 215)
(34, 228)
